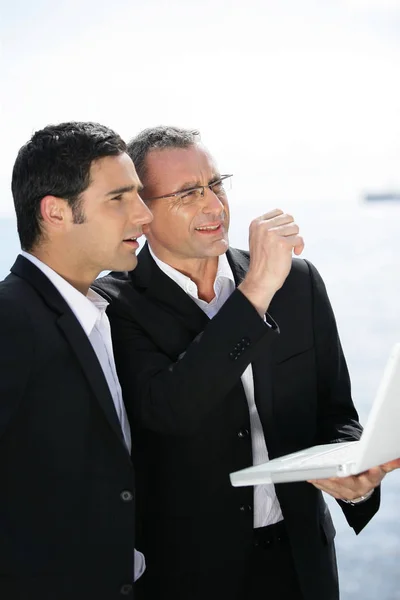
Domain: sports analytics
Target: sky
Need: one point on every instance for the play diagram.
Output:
(300, 100)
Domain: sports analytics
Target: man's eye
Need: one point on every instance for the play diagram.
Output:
(189, 195)
(217, 186)
(119, 197)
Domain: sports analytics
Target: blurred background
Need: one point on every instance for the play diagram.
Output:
(300, 100)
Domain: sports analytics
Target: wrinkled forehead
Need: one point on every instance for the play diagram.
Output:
(170, 168)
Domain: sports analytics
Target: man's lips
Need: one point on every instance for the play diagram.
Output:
(209, 228)
(132, 241)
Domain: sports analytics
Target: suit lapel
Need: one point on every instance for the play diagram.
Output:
(75, 336)
(239, 263)
(163, 291)
(87, 358)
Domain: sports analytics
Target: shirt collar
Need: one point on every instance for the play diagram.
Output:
(224, 268)
(223, 271)
(87, 309)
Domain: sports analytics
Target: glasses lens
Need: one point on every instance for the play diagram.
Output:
(222, 185)
(191, 195)
(227, 183)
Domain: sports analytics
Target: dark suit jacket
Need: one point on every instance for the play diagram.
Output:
(65, 531)
(180, 374)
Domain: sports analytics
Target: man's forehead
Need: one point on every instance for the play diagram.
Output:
(192, 161)
(108, 169)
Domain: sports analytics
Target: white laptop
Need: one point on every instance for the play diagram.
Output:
(379, 443)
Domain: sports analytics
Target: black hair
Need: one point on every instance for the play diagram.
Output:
(56, 161)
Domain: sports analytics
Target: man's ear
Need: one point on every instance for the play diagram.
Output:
(54, 212)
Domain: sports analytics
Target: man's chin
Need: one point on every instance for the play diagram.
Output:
(127, 264)
(221, 246)
(214, 251)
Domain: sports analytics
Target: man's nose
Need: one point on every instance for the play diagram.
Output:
(141, 213)
(211, 202)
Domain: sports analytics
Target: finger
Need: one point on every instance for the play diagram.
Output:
(327, 491)
(372, 477)
(298, 249)
(295, 242)
(329, 486)
(344, 487)
(277, 221)
(341, 491)
(348, 488)
(285, 229)
(270, 215)
(391, 465)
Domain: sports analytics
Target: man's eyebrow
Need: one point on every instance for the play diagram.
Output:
(125, 189)
(189, 185)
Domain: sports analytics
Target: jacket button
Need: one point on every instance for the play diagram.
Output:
(243, 433)
(126, 496)
(126, 589)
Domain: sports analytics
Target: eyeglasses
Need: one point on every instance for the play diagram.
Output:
(219, 187)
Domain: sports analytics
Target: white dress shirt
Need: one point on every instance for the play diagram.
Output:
(267, 509)
(90, 311)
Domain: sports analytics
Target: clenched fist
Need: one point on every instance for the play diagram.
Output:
(273, 238)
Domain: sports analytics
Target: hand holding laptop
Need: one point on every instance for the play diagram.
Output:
(356, 486)
(345, 470)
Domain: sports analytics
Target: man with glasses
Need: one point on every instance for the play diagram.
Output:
(227, 358)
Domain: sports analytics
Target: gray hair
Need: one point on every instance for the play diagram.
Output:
(158, 138)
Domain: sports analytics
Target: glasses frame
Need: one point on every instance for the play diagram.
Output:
(196, 187)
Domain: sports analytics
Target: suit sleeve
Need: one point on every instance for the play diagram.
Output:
(173, 397)
(15, 360)
(337, 416)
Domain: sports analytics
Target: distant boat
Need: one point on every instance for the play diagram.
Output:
(382, 197)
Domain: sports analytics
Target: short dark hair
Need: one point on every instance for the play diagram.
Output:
(158, 138)
(56, 161)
